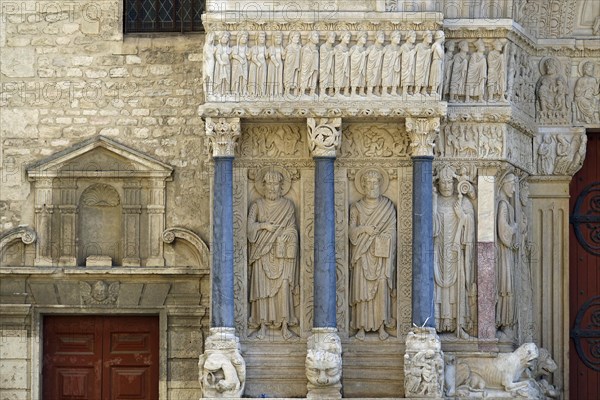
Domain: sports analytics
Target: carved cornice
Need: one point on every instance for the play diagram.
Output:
(486, 29)
(326, 109)
(223, 134)
(324, 136)
(422, 132)
(493, 114)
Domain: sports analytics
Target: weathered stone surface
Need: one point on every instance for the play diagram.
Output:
(13, 374)
(18, 62)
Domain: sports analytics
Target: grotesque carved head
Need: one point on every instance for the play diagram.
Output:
(323, 368)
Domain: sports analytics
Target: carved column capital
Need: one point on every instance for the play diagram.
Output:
(324, 136)
(422, 133)
(223, 134)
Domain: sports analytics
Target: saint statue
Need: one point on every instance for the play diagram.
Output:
(326, 65)
(586, 96)
(291, 70)
(239, 65)
(309, 65)
(273, 249)
(390, 74)
(454, 255)
(358, 64)
(436, 73)
(257, 75)
(209, 63)
(374, 62)
(222, 73)
(275, 66)
(372, 234)
(508, 244)
(477, 73)
(496, 72)
(448, 62)
(341, 79)
(407, 73)
(423, 63)
(458, 78)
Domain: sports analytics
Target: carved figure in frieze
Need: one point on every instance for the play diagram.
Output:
(448, 63)
(99, 293)
(239, 65)
(497, 377)
(454, 257)
(222, 74)
(477, 73)
(374, 63)
(579, 146)
(422, 374)
(372, 233)
(309, 65)
(460, 65)
(257, 75)
(564, 155)
(508, 244)
(496, 63)
(586, 96)
(468, 140)
(512, 71)
(546, 155)
(358, 64)
(407, 54)
(341, 78)
(390, 72)
(436, 73)
(208, 68)
(423, 63)
(291, 70)
(273, 249)
(551, 92)
(326, 65)
(275, 66)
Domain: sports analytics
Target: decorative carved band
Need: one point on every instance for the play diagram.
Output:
(422, 133)
(223, 134)
(324, 136)
(23, 233)
(169, 236)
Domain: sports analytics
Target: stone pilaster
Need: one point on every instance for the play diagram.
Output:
(156, 223)
(131, 224)
(68, 222)
(422, 133)
(324, 136)
(222, 346)
(44, 209)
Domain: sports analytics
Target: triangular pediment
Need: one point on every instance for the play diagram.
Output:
(99, 156)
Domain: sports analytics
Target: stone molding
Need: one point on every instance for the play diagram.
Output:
(171, 234)
(223, 134)
(23, 233)
(422, 133)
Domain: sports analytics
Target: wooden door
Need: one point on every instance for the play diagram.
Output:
(100, 358)
(584, 276)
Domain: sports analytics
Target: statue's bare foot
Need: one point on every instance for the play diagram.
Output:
(286, 333)
(360, 335)
(463, 334)
(262, 332)
(382, 333)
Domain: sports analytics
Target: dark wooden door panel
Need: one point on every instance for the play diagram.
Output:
(100, 358)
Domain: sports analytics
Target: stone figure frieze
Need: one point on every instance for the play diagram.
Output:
(552, 93)
(559, 154)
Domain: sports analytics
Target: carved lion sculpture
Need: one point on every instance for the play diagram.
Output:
(543, 368)
(504, 372)
(220, 375)
(323, 368)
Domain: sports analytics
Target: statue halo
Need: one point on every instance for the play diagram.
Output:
(286, 184)
(385, 179)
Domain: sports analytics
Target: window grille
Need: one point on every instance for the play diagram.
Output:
(163, 15)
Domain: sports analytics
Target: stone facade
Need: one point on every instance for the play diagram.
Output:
(113, 175)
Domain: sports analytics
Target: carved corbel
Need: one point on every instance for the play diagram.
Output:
(324, 136)
(422, 132)
(223, 134)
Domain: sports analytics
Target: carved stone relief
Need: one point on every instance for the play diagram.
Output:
(374, 141)
(324, 364)
(222, 368)
(372, 233)
(559, 154)
(309, 68)
(273, 255)
(454, 257)
(272, 141)
(99, 293)
(471, 140)
(519, 147)
(324, 136)
(552, 93)
(423, 365)
(586, 99)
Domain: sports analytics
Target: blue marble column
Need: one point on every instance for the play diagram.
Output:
(222, 252)
(324, 260)
(223, 134)
(422, 134)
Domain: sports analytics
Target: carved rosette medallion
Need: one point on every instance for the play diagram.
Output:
(324, 364)
(324, 136)
(223, 134)
(423, 364)
(422, 132)
(222, 367)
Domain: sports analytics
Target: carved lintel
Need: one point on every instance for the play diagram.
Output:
(222, 367)
(324, 364)
(423, 364)
(223, 134)
(422, 132)
(324, 136)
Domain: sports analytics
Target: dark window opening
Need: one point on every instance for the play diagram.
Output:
(163, 15)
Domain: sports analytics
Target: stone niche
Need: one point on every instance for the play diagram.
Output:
(99, 204)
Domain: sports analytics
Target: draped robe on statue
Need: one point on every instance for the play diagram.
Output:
(454, 238)
(272, 262)
(372, 263)
(507, 235)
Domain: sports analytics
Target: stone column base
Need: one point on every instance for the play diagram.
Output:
(324, 364)
(423, 365)
(222, 368)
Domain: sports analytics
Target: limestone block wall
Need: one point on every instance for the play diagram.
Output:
(68, 74)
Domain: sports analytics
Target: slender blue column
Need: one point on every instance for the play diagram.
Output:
(222, 262)
(324, 260)
(422, 267)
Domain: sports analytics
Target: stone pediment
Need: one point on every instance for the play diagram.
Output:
(99, 157)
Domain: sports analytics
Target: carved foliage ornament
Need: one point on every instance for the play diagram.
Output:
(223, 134)
(422, 133)
(324, 136)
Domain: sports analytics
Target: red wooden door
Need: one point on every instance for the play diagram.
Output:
(584, 276)
(100, 358)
